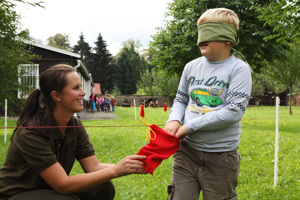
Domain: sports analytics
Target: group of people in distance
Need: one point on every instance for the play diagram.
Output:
(102, 103)
(212, 97)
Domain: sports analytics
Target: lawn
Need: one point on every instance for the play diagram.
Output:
(256, 178)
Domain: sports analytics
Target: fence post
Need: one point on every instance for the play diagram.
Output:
(134, 108)
(276, 142)
(5, 122)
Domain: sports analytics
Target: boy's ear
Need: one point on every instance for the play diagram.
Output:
(55, 96)
(228, 43)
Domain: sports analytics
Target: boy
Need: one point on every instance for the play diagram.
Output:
(212, 96)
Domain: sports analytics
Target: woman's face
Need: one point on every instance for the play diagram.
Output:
(72, 94)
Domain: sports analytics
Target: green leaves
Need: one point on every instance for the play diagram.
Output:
(175, 42)
(13, 52)
(283, 16)
(130, 64)
(59, 40)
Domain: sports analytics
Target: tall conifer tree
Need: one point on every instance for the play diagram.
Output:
(84, 49)
(100, 67)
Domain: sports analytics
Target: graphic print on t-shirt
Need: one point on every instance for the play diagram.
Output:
(207, 97)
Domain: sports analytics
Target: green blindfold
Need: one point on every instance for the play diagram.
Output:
(216, 31)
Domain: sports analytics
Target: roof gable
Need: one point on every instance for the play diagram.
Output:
(54, 49)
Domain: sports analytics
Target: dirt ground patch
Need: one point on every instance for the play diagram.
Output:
(97, 115)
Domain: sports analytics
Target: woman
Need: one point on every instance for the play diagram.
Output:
(39, 160)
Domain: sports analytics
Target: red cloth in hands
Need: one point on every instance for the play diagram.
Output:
(162, 147)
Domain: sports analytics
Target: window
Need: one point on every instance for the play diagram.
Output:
(29, 79)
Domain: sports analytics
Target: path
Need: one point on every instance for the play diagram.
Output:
(96, 115)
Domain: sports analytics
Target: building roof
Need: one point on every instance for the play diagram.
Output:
(97, 89)
(50, 48)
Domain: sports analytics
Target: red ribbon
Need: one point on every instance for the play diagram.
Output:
(142, 113)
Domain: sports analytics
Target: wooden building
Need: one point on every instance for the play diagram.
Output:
(49, 56)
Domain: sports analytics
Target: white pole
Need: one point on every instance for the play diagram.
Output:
(134, 108)
(276, 142)
(5, 130)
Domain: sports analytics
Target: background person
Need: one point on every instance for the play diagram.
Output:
(98, 103)
(93, 100)
(212, 97)
(113, 103)
(39, 160)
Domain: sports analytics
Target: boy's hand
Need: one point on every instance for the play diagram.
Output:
(172, 127)
(182, 132)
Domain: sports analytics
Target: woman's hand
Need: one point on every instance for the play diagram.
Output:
(130, 165)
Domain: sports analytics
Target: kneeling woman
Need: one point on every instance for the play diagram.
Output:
(39, 160)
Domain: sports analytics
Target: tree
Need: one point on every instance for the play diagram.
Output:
(262, 84)
(126, 81)
(130, 64)
(100, 65)
(59, 40)
(167, 84)
(13, 51)
(286, 71)
(146, 83)
(83, 48)
(283, 15)
(175, 42)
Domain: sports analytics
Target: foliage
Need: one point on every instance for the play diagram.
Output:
(283, 15)
(286, 71)
(167, 84)
(129, 64)
(98, 61)
(59, 40)
(126, 80)
(146, 83)
(83, 48)
(100, 67)
(258, 89)
(262, 84)
(115, 91)
(175, 42)
(113, 142)
(13, 51)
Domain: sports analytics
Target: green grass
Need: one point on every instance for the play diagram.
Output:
(256, 178)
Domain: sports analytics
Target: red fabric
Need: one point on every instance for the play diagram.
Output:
(93, 98)
(113, 102)
(162, 147)
(165, 107)
(142, 113)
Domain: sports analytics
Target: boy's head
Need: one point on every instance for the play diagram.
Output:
(219, 24)
(222, 15)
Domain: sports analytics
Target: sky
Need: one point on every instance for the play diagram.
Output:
(116, 20)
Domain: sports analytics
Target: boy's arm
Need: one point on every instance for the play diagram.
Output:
(236, 102)
(172, 127)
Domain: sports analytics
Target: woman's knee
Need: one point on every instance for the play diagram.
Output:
(104, 191)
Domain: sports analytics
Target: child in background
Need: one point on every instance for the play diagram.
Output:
(98, 103)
